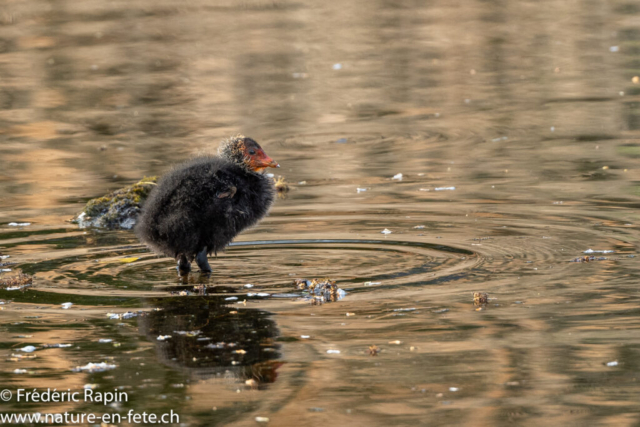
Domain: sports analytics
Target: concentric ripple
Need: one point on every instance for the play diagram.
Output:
(269, 265)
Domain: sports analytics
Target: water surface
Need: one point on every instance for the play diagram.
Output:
(514, 125)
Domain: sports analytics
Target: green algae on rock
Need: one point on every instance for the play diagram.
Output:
(118, 209)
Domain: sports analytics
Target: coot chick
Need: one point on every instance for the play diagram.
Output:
(200, 206)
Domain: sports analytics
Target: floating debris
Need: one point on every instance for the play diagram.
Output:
(163, 337)
(19, 371)
(66, 305)
(5, 256)
(373, 350)
(333, 351)
(188, 333)
(105, 340)
(397, 176)
(14, 283)
(248, 285)
(28, 349)
(320, 291)
(591, 251)
(19, 357)
(419, 227)
(405, 309)
(305, 337)
(128, 260)
(19, 224)
(480, 298)
(444, 188)
(612, 364)
(453, 389)
(337, 66)
(94, 367)
(282, 186)
(117, 316)
(262, 419)
(589, 259)
(443, 310)
(231, 299)
(386, 231)
(118, 209)
(395, 342)
(361, 190)
(56, 345)
(372, 283)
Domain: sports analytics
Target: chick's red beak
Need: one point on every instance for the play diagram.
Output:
(269, 162)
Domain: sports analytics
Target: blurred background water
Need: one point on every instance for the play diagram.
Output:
(514, 125)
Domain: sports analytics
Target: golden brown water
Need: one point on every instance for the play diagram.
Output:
(528, 109)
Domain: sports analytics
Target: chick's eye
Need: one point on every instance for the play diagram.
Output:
(252, 152)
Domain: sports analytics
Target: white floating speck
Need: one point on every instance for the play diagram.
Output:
(453, 389)
(231, 299)
(333, 351)
(337, 66)
(5, 256)
(127, 315)
(262, 294)
(305, 337)
(248, 285)
(614, 48)
(419, 227)
(66, 305)
(19, 371)
(28, 349)
(262, 419)
(444, 188)
(372, 283)
(361, 190)
(397, 176)
(591, 251)
(18, 224)
(94, 367)
(105, 340)
(163, 337)
(552, 128)
(5, 270)
(611, 364)
(386, 231)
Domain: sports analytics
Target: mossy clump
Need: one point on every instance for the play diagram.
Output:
(118, 209)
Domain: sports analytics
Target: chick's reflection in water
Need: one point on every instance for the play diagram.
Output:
(206, 338)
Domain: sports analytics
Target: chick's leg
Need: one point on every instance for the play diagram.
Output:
(184, 266)
(201, 259)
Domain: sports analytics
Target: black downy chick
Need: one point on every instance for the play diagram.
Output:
(200, 206)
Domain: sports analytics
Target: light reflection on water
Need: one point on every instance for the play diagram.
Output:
(530, 111)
